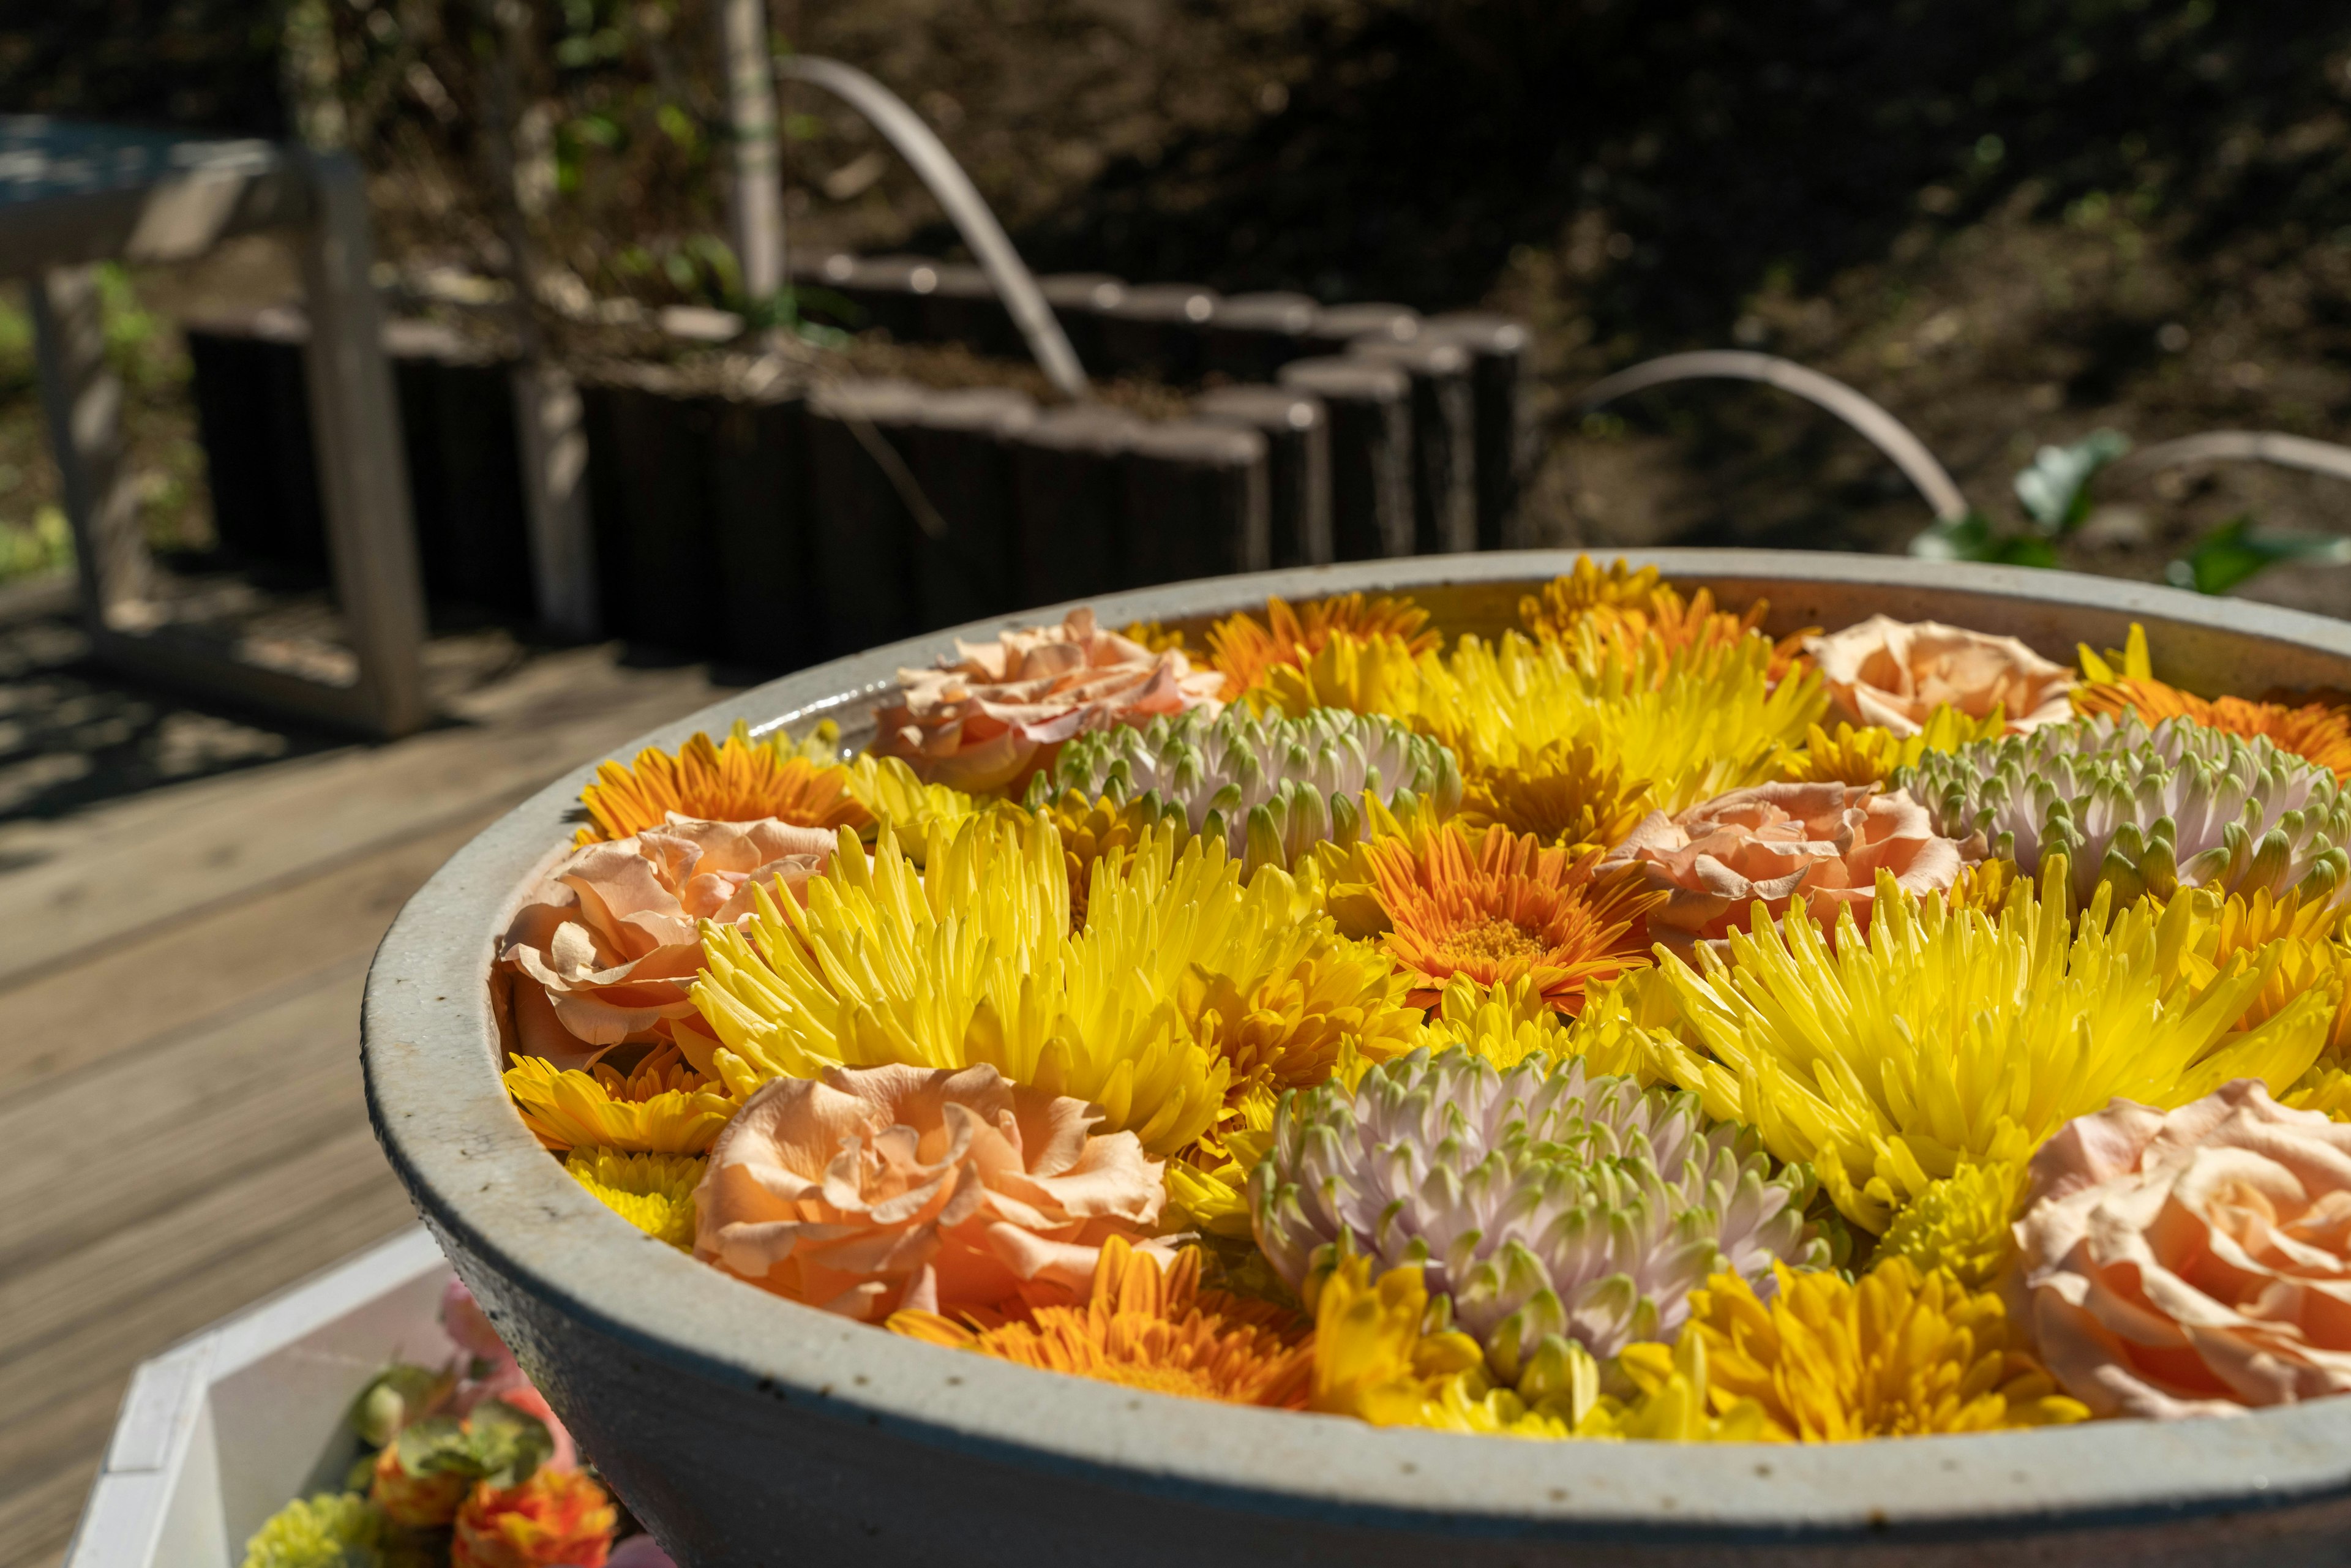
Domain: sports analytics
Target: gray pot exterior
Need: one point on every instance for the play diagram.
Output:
(746, 1430)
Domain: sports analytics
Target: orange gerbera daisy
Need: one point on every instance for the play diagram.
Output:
(1498, 906)
(2319, 731)
(1147, 1327)
(738, 780)
(1244, 651)
(1623, 608)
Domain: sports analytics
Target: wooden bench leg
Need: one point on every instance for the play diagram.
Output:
(83, 400)
(363, 471)
(551, 420)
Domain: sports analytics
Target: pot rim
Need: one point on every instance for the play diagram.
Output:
(487, 1187)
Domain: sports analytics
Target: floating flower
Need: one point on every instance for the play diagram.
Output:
(1207, 1188)
(1542, 1200)
(1100, 829)
(1183, 984)
(2180, 805)
(2323, 1089)
(1146, 1326)
(2196, 1263)
(1871, 755)
(1500, 907)
(993, 715)
(662, 1107)
(1373, 673)
(1897, 1353)
(878, 1189)
(1625, 608)
(1571, 795)
(738, 780)
(653, 1192)
(330, 1530)
(604, 952)
(556, 1519)
(1271, 787)
(1944, 1040)
(1774, 844)
(1895, 673)
(1960, 1225)
(2318, 732)
(1381, 1357)
(903, 806)
(1695, 723)
(1247, 652)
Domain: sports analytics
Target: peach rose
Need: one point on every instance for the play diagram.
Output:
(1895, 673)
(608, 949)
(2192, 1262)
(988, 718)
(1823, 842)
(945, 1190)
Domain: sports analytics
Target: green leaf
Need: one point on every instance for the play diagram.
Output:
(396, 1396)
(2236, 551)
(1970, 537)
(508, 1444)
(2055, 490)
(436, 1446)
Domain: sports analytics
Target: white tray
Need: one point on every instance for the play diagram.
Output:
(221, 1431)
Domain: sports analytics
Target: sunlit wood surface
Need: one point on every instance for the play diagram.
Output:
(181, 1127)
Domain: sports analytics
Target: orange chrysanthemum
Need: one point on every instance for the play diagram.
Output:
(2319, 731)
(1497, 906)
(738, 780)
(1150, 1328)
(1623, 608)
(1244, 651)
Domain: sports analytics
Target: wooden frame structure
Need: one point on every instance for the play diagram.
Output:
(75, 195)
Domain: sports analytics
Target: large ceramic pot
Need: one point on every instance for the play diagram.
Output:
(746, 1430)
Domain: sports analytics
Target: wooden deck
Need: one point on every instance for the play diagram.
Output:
(181, 1127)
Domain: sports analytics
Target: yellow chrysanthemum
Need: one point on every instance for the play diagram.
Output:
(1623, 608)
(1574, 795)
(1503, 1024)
(738, 780)
(1381, 1357)
(1097, 829)
(1384, 1353)
(653, 1192)
(1983, 886)
(1694, 724)
(2124, 682)
(1145, 1327)
(1942, 1040)
(1495, 907)
(1181, 982)
(1152, 637)
(2293, 940)
(1278, 1015)
(1246, 652)
(663, 1107)
(1626, 1027)
(1207, 1187)
(1362, 674)
(2325, 1089)
(904, 806)
(1898, 1353)
(1960, 1224)
(1870, 755)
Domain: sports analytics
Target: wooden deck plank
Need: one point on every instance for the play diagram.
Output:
(133, 992)
(182, 1124)
(136, 865)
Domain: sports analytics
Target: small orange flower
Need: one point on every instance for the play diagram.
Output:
(1143, 1327)
(740, 781)
(1243, 651)
(1498, 907)
(2320, 731)
(558, 1519)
